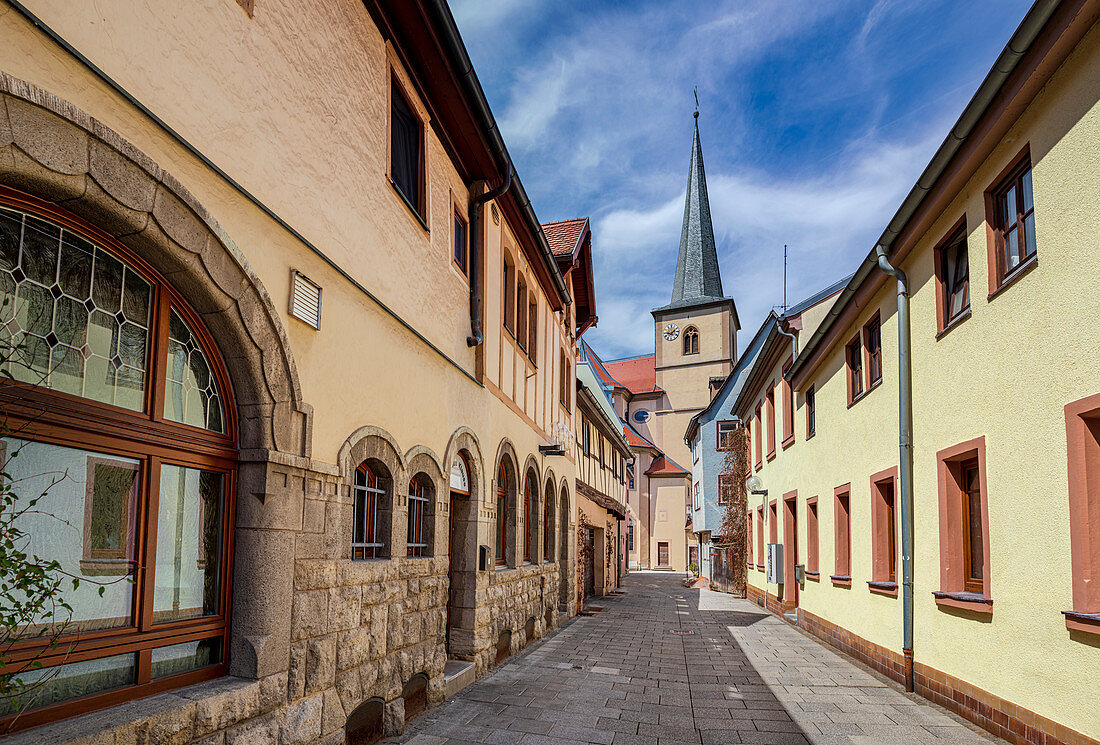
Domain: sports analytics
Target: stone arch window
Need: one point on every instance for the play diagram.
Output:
(691, 340)
(531, 518)
(371, 511)
(421, 522)
(112, 380)
(365, 723)
(505, 514)
(548, 521)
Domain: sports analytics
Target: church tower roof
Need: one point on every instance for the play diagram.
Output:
(698, 278)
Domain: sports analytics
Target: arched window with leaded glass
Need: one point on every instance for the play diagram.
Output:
(118, 415)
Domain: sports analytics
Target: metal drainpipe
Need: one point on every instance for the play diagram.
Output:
(791, 336)
(476, 204)
(905, 440)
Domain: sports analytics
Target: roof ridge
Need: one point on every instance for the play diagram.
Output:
(635, 357)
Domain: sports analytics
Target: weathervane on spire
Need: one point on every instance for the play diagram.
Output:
(696, 91)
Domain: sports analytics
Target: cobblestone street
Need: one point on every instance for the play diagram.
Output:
(664, 665)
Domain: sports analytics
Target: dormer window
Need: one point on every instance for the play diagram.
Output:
(691, 340)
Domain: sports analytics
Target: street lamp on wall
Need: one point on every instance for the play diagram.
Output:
(755, 486)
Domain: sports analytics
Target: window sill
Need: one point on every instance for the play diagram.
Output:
(889, 589)
(815, 576)
(787, 442)
(1010, 279)
(771, 455)
(1088, 623)
(864, 393)
(971, 601)
(461, 270)
(956, 321)
(810, 435)
(759, 465)
(841, 580)
(759, 567)
(405, 200)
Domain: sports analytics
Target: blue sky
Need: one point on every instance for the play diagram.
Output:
(816, 120)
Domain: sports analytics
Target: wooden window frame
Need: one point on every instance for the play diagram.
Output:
(750, 541)
(419, 207)
(508, 299)
(885, 565)
(957, 588)
(548, 527)
(787, 401)
(532, 327)
(1083, 455)
(760, 545)
(872, 358)
(373, 493)
(459, 224)
(853, 367)
(758, 439)
(520, 332)
(945, 286)
(769, 416)
(38, 414)
(813, 558)
(842, 536)
(999, 277)
(811, 412)
(419, 517)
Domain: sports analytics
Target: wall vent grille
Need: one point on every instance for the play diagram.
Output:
(305, 299)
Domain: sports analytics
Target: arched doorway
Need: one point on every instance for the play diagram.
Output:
(462, 551)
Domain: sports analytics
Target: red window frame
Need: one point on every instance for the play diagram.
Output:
(501, 528)
(872, 345)
(842, 535)
(853, 358)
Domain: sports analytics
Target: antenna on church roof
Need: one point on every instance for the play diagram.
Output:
(696, 91)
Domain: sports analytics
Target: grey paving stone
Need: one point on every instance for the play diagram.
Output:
(743, 677)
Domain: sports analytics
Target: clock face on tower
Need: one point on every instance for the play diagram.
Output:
(671, 332)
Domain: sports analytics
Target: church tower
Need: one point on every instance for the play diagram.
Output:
(695, 334)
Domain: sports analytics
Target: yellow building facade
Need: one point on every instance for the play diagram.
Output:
(997, 245)
(319, 195)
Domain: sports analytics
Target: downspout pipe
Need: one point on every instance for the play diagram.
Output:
(790, 335)
(477, 205)
(905, 441)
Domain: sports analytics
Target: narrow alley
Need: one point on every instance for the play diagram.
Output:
(665, 665)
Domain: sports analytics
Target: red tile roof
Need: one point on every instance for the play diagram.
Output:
(665, 466)
(637, 374)
(563, 235)
(635, 439)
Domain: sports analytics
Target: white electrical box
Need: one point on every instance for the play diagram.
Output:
(775, 563)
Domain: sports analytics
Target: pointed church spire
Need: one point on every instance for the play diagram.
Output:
(697, 276)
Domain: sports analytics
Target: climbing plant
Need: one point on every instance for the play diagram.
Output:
(734, 529)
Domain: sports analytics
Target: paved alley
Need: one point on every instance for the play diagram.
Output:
(664, 665)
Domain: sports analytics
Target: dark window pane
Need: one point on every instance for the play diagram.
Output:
(51, 685)
(405, 148)
(974, 517)
(75, 275)
(181, 658)
(11, 231)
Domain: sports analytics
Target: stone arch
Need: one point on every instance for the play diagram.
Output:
(460, 540)
(566, 575)
(506, 459)
(530, 486)
(59, 153)
(365, 723)
(424, 467)
(550, 517)
(376, 448)
(63, 155)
